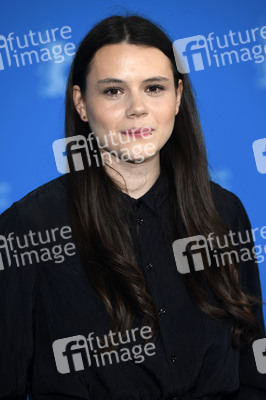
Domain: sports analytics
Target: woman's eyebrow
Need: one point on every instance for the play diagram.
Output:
(157, 79)
(115, 80)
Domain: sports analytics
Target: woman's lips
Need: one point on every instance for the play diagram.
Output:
(138, 132)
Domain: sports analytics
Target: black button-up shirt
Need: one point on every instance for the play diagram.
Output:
(50, 314)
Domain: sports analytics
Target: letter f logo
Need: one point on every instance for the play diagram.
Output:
(191, 53)
(71, 154)
(4, 46)
(4, 245)
(190, 254)
(71, 354)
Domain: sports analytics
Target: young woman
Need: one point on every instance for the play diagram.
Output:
(95, 303)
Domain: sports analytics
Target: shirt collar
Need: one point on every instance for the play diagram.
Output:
(154, 197)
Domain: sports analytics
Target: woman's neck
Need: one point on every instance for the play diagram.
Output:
(138, 178)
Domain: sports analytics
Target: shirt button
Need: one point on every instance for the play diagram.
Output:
(173, 357)
(149, 266)
(162, 312)
(140, 220)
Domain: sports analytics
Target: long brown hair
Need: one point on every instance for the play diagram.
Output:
(99, 210)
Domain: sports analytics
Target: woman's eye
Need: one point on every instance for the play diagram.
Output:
(112, 92)
(155, 89)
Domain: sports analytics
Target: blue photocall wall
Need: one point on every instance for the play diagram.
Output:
(223, 48)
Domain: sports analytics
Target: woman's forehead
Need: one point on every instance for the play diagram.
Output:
(129, 60)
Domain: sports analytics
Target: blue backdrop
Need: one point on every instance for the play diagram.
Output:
(223, 44)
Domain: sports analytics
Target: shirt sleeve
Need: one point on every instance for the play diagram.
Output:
(16, 310)
(252, 383)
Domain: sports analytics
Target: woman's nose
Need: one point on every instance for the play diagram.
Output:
(136, 106)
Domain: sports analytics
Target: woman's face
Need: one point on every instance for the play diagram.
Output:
(131, 100)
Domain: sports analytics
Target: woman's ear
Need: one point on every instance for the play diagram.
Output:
(179, 91)
(79, 103)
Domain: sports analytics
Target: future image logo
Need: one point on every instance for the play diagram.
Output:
(196, 253)
(196, 53)
(76, 152)
(35, 47)
(51, 245)
(76, 353)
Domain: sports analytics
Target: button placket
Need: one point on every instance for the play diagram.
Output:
(144, 222)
